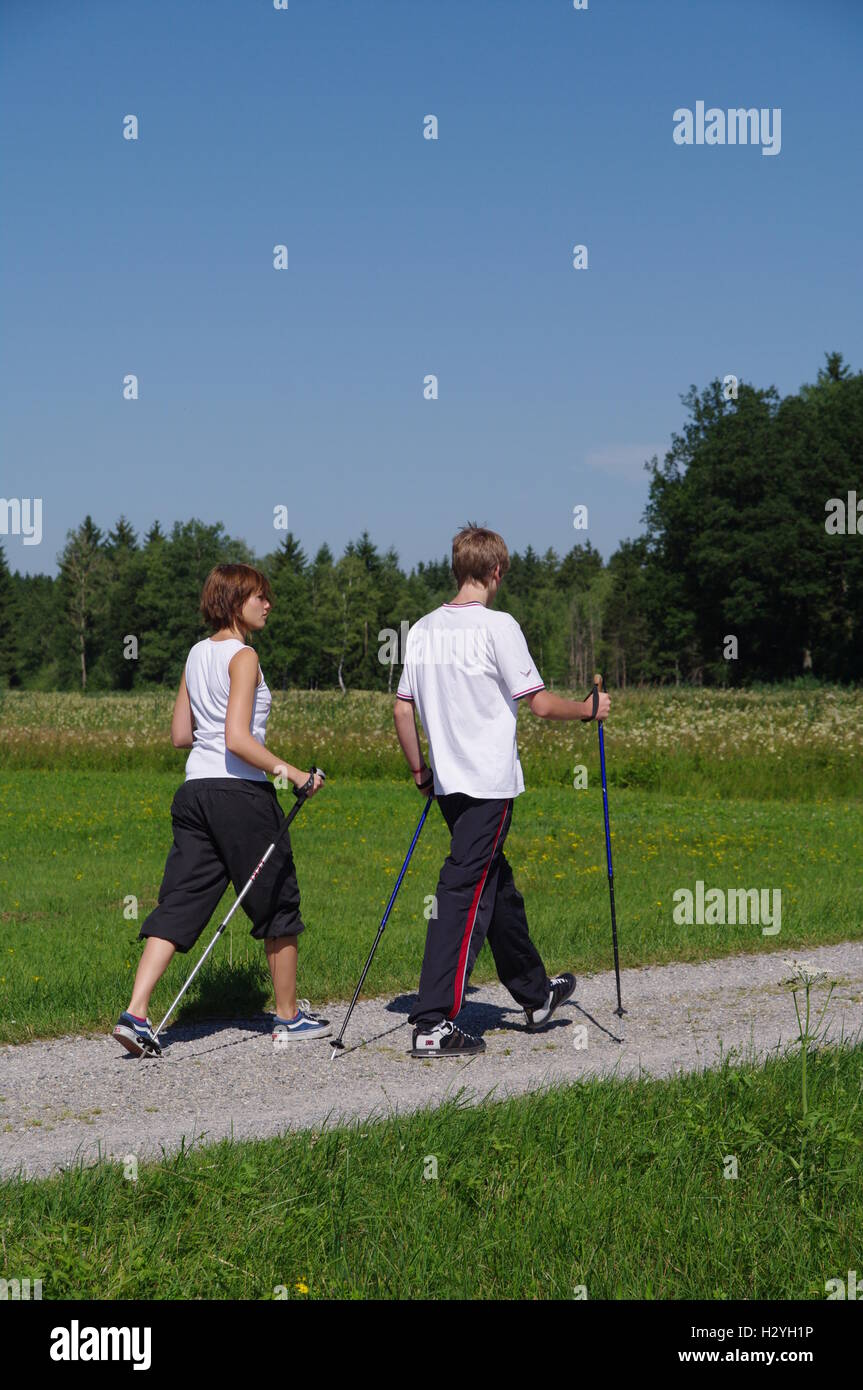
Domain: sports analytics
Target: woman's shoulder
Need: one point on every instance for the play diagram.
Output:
(225, 646)
(208, 655)
(196, 652)
(242, 658)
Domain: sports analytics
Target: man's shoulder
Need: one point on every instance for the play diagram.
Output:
(503, 623)
(422, 623)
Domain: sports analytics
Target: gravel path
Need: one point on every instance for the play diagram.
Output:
(77, 1099)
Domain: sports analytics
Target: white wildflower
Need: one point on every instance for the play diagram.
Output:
(803, 972)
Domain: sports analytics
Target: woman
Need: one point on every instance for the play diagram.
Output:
(226, 813)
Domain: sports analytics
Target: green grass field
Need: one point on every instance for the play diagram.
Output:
(77, 844)
(616, 1187)
(742, 789)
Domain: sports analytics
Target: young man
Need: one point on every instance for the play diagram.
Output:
(466, 668)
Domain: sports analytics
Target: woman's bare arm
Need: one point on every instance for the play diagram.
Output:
(182, 720)
(243, 672)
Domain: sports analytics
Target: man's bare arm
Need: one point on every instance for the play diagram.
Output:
(545, 705)
(409, 739)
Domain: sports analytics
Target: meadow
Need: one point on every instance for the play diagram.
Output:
(797, 742)
(82, 847)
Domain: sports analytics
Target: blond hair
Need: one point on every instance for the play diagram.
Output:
(476, 553)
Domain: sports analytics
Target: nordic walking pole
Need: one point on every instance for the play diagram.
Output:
(301, 793)
(620, 1010)
(338, 1042)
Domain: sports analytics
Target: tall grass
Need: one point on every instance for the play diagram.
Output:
(791, 742)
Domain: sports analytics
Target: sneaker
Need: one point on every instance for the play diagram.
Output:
(562, 987)
(137, 1037)
(305, 1025)
(445, 1040)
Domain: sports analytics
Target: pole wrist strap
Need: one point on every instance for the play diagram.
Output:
(593, 695)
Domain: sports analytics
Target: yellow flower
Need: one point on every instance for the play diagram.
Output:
(301, 1286)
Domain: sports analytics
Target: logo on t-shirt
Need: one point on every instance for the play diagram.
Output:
(471, 649)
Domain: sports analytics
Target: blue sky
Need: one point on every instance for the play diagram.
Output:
(406, 256)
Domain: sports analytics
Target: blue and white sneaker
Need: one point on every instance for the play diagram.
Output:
(304, 1026)
(137, 1037)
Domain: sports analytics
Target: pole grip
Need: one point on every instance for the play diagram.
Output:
(307, 786)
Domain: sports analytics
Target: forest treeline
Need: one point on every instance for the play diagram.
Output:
(749, 533)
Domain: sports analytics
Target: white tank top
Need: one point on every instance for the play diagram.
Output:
(209, 684)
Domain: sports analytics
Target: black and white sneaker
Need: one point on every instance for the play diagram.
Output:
(445, 1040)
(562, 988)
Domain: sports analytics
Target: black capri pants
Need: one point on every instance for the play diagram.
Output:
(222, 826)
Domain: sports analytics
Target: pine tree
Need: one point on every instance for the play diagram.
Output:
(82, 578)
(287, 647)
(116, 667)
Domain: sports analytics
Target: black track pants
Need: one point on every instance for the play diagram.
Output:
(222, 826)
(476, 897)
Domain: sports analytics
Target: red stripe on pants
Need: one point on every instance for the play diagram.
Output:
(461, 968)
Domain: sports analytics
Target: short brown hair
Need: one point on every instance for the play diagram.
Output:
(225, 591)
(476, 552)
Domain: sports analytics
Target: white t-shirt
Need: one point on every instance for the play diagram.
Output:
(209, 684)
(466, 666)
